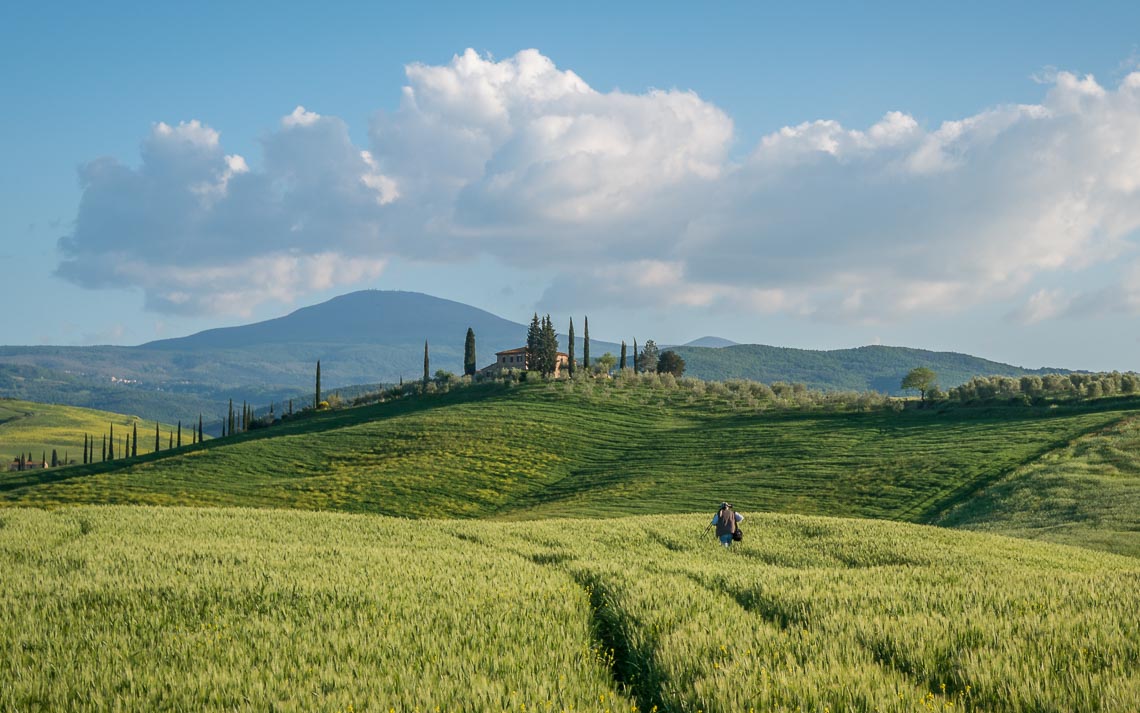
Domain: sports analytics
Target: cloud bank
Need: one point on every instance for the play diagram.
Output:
(630, 197)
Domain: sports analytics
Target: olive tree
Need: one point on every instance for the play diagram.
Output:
(922, 380)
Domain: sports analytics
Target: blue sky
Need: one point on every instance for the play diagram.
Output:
(673, 171)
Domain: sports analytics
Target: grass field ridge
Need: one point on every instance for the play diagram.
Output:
(574, 449)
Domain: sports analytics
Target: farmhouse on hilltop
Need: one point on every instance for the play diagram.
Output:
(516, 359)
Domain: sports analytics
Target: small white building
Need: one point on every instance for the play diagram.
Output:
(516, 359)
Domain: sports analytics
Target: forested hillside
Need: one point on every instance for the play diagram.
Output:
(877, 368)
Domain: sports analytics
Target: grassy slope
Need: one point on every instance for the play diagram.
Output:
(34, 427)
(569, 450)
(189, 609)
(1087, 493)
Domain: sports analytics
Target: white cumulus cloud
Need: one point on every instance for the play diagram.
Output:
(628, 196)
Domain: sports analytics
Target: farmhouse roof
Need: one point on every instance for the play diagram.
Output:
(522, 350)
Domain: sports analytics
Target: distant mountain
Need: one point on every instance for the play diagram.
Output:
(713, 342)
(378, 336)
(367, 317)
(876, 368)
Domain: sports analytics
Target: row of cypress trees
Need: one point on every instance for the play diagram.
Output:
(128, 446)
(239, 423)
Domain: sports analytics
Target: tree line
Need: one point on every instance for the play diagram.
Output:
(1027, 389)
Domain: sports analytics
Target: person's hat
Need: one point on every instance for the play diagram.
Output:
(724, 505)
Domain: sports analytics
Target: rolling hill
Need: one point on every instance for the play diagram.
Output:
(598, 450)
(27, 427)
(874, 368)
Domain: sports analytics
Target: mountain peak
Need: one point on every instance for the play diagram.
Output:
(713, 342)
(361, 317)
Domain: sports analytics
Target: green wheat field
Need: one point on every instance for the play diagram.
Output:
(541, 547)
(185, 608)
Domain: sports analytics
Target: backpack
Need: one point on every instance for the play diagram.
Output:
(726, 522)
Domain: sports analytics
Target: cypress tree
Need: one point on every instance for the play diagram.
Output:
(179, 433)
(549, 347)
(469, 353)
(317, 398)
(635, 369)
(54, 459)
(427, 364)
(104, 447)
(169, 440)
(84, 449)
(290, 407)
(533, 337)
(127, 448)
(621, 363)
(570, 349)
(157, 443)
(199, 428)
(230, 417)
(111, 450)
(135, 439)
(586, 345)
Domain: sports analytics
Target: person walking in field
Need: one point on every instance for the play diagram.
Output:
(726, 519)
